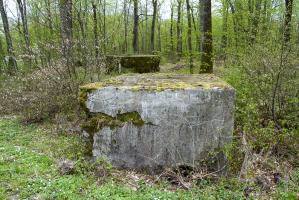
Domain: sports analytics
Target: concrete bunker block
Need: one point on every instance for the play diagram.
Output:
(153, 121)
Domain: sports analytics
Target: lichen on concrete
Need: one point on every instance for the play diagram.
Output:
(159, 82)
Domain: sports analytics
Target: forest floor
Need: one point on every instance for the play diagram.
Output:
(29, 157)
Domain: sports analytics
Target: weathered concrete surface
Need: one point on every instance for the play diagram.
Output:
(184, 118)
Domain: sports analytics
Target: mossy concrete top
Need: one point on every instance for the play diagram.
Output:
(133, 56)
(159, 82)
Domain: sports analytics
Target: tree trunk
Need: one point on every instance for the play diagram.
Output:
(207, 39)
(2, 56)
(224, 29)
(125, 27)
(265, 17)
(18, 26)
(155, 4)
(171, 30)
(12, 63)
(159, 35)
(288, 20)
(189, 36)
(135, 29)
(255, 21)
(146, 26)
(235, 22)
(95, 32)
(67, 34)
(196, 31)
(104, 26)
(179, 31)
(23, 12)
(81, 17)
(49, 22)
(49, 16)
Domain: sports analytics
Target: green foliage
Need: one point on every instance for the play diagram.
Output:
(289, 189)
(266, 81)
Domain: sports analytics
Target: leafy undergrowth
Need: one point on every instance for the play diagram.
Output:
(29, 170)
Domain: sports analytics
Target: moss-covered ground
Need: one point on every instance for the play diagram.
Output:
(28, 170)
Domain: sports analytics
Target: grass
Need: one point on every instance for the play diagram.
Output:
(28, 170)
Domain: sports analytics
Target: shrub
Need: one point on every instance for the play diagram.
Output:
(266, 80)
(39, 95)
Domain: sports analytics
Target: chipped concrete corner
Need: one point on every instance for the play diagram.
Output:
(150, 128)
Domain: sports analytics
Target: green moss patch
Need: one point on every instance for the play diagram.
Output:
(159, 82)
(99, 120)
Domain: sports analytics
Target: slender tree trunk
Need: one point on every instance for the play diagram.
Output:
(288, 20)
(49, 22)
(250, 13)
(146, 26)
(159, 35)
(224, 29)
(49, 16)
(189, 36)
(197, 34)
(255, 21)
(235, 22)
(12, 63)
(171, 30)
(81, 17)
(265, 17)
(95, 32)
(2, 56)
(36, 25)
(104, 26)
(179, 31)
(19, 22)
(23, 12)
(155, 4)
(135, 29)
(125, 26)
(67, 33)
(207, 39)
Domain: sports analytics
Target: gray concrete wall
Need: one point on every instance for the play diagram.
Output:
(180, 126)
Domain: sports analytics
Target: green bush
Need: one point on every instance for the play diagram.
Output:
(39, 95)
(266, 81)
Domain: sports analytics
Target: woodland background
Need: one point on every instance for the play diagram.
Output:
(50, 47)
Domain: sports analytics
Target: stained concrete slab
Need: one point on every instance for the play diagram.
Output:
(184, 118)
